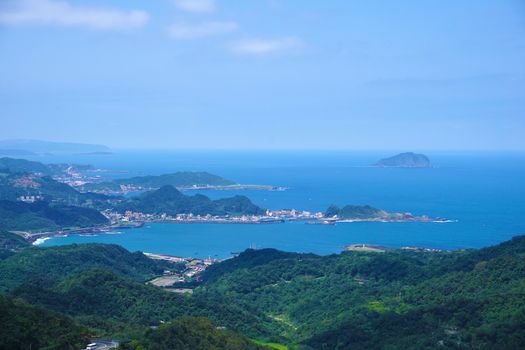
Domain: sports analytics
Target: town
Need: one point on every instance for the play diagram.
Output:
(270, 217)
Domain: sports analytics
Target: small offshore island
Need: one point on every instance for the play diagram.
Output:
(405, 160)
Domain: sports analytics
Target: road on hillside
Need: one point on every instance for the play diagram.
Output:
(105, 344)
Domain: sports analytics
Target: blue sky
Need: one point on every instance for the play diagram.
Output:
(265, 74)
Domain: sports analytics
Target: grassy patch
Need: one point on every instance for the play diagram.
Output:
(378, 306)
(271, 345)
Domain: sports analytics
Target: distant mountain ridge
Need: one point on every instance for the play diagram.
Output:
(43, 216)
(17, 165)
(171, 201)
(39, 146)
(405, 160)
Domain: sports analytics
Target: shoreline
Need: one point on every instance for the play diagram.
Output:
(37, 238)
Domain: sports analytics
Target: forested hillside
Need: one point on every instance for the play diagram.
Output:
(354, 300)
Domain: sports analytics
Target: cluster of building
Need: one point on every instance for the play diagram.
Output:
(30, 198)
(292, 214)
(192, 269)
(271, 216)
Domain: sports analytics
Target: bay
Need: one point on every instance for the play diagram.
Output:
(484, 192)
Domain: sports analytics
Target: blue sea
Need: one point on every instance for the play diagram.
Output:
(484, 193)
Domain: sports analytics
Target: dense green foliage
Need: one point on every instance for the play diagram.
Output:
(182, 178)
(355, 212)
(353, 300)
(56, 263)
(23, 166)
(395, 300)
(107, 301)
(15, 185)
(194, 333)
(23, 326)
(178, 179)
(11, 242)
(171, 201)
(41, 216)
(405, 160)
(103, 287)
(14, 165)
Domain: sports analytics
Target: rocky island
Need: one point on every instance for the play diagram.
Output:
(405, 160)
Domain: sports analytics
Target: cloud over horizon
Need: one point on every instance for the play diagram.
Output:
(200, 30)
(267, 46)
(62, 13)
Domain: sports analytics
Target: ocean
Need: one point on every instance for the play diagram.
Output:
(483, 193)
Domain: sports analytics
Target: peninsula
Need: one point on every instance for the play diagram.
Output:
(182, 180)
(366, 213)
(405, 160)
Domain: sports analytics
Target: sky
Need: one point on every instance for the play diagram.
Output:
(265, 74)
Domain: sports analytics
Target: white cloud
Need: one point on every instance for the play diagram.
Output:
(205, 29)
(62, 13)
(267, 46)
(195, 5)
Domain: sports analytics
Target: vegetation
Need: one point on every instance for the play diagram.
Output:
(15, 185)
(23, 166)
(405, 160)
(41, 216)
(353, 300)
(14, 165)
(23, 326)
(196, 333)
(392, 300)
(56, 263)
(11, 242)
(355, 212)
(178, 179)
(171, 201)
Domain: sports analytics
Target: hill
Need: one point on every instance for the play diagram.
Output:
(196, 333)
(42, 216)
(23, 326)
(186, 179)
(353, 300)
(397, 299)
(56, 263)
(11, 242)
(355, 212)
(15, 185)
(14, 165)
(171, 201)
(405, 160)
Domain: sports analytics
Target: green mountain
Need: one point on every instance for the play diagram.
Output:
(398, 299)
(356, 212)
(178, 179)
(183, 178)
(169, 200)
(23, 326)
(23, 166)
(42, 216)
(405, 160)
(196, 333)
(14, 165)
(11, 242)
(56, 263)
(15, 185)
